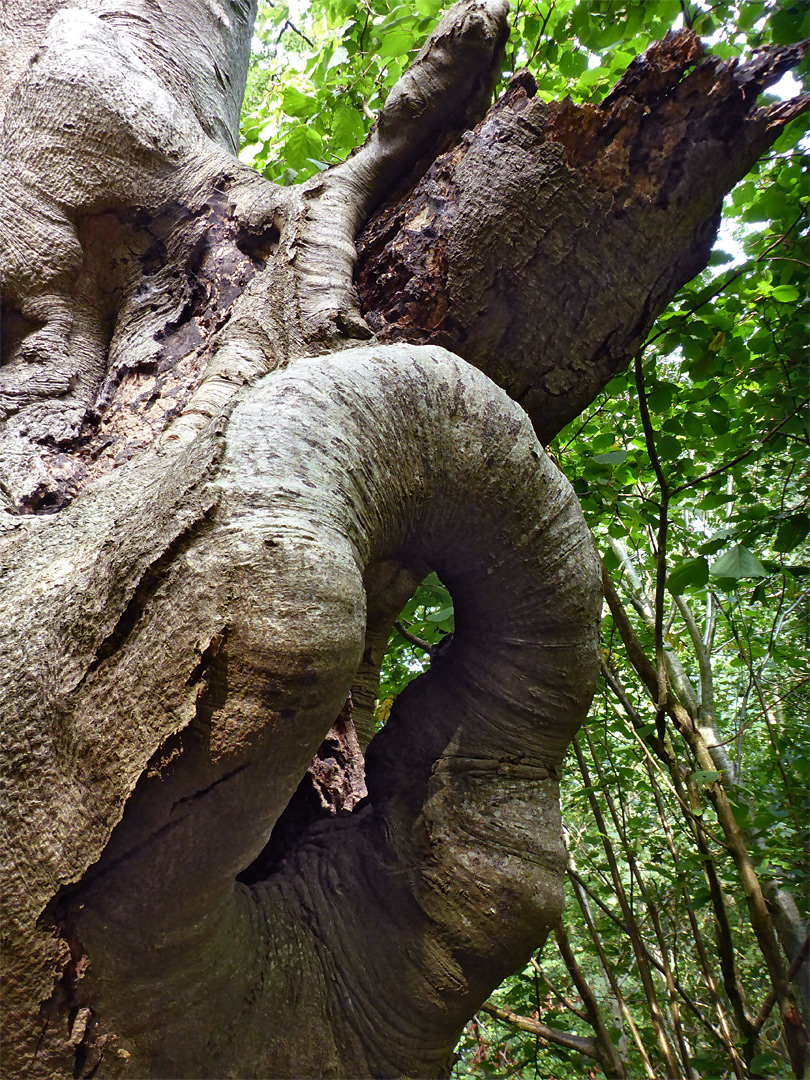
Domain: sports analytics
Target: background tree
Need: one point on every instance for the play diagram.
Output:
(217, 506)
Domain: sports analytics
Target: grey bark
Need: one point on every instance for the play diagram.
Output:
(197, 714)
(213, 513)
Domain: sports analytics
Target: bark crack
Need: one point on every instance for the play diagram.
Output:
(145, 589)
(210, 787)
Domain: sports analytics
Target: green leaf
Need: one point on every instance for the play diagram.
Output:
(701, 897)
(790, 22)
(791, 532)
(347, 129)
(572, 62)
(439, 616)
(302, 145)
(613, 457)
(645, 730)
(707, 1062)
(785, 293)
(338, 57)
(668, 447)
(693, 572)
(762, 1061)
(720, 257)
(294, 103)
(705, 776)
(738, 563)
(395, 43)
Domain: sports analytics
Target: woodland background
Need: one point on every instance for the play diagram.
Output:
(692, 470)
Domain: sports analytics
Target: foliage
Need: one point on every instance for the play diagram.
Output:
(319, 78)
(702, 516)
(427, 618)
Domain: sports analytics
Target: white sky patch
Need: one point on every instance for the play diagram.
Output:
(787, 87)
(727, 241)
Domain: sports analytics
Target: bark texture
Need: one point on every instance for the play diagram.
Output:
(215, 504)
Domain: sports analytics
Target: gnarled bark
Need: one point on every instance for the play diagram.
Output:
(543, 246)
(203, 549)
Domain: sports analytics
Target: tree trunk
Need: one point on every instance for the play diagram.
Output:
(216, 502)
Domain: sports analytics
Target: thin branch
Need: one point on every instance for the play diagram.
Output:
(610, 975)
(288, 25)
(740, 457)
(568, 1005)
(609, 1057)
(412, 639)
(770, 1000)
(633, 715)
(661, 552)
(656, 1015)
(678, 677)
(724, 284)
(560, 1038)
(724, 1036)
(745, 655)
(577, 878)
(761, 923)
(703, 654)
(663, 964)
(674, 768)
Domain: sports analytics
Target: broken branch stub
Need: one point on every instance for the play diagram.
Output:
(595, 213)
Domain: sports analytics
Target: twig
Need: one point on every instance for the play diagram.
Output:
(420, 643)
(568, 1005)
(287, 25)
(740, 457)
(661, 549)
(770, 1000)
(730, 279)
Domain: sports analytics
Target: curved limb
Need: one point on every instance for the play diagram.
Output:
(249, 633)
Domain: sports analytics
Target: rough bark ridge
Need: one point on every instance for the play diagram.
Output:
(203, 551)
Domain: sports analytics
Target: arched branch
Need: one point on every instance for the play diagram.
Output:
(248, 629)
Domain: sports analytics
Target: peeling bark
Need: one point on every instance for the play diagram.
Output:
(110, 200)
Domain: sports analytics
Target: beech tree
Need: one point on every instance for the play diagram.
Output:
(242, 422)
